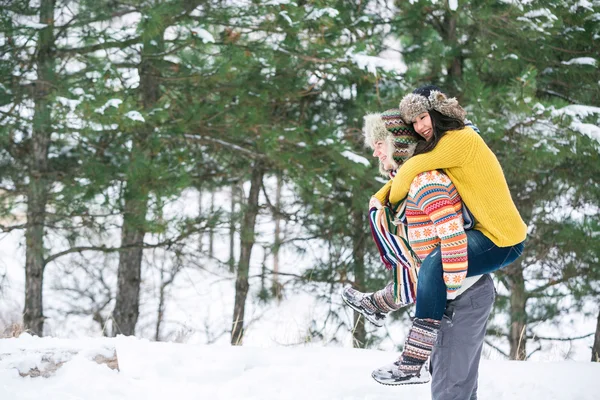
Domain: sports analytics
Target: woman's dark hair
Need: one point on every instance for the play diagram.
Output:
(440, 124)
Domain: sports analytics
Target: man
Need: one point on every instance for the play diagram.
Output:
(457, 351)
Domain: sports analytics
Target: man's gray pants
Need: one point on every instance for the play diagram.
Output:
(456, 355)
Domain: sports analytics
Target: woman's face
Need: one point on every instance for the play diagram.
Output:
(380, 150)
(423, 127)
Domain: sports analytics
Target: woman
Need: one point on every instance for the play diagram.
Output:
(496, 240)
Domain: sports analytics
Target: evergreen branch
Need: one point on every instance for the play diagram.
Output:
(559, 95)
(85, 22)
(276, 211)
(520, 124)
(126, 65)
(100, 46)
(9, 190)
(567, 50)
(538, 292)
(10, 114)
(299, 239)
(496, 332)
(251, 153)
(309, 58)
(19, 8)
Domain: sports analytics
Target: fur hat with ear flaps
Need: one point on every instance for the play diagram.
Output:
(389, 127)
(423, 100)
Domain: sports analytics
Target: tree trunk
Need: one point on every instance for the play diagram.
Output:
(129, 278)
(596, 346)
(137, 192)
(211, 229)
(39, 185)
(455, 65)
(201, 236)
(518, 315)
(161, 305)
(359, 333)
(276, 286)
(246, 244)
(232, 229)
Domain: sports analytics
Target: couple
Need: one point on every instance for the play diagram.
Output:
(443, 174)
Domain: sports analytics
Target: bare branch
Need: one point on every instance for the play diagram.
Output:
(166, 243)
(567, 339)
(233, 146)
(499, 350)
(6, 229)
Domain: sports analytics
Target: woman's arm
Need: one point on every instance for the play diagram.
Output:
(431, 192)
(383, 194)
(453, 150)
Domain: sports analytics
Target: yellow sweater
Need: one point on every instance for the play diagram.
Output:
(478, 177)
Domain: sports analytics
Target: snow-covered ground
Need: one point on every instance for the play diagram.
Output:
(153, 370)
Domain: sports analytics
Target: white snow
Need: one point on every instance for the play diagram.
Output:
(32, 24)
(155, 371)
(582, 4)
(453, 4)
(576, 111)
(581, 61)
(371, 63)
(110, 103)
(285, 15)
(589, 130)
(543, 12)
(205, 35)
(356, 158)
(135, 115)
(276, 2)
(318, 13)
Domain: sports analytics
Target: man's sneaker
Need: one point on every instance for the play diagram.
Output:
(361, 303)
(391, 375)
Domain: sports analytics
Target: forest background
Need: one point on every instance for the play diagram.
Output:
(183, 170)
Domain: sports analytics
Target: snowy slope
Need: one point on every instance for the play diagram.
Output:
(151, 371)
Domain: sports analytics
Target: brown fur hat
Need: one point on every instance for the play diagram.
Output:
(422, 101)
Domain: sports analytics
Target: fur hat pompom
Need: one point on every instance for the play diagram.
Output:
(446, 106)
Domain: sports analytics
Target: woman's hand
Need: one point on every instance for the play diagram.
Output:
(374, 202)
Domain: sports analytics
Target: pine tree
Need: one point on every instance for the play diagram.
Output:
(510, 65)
